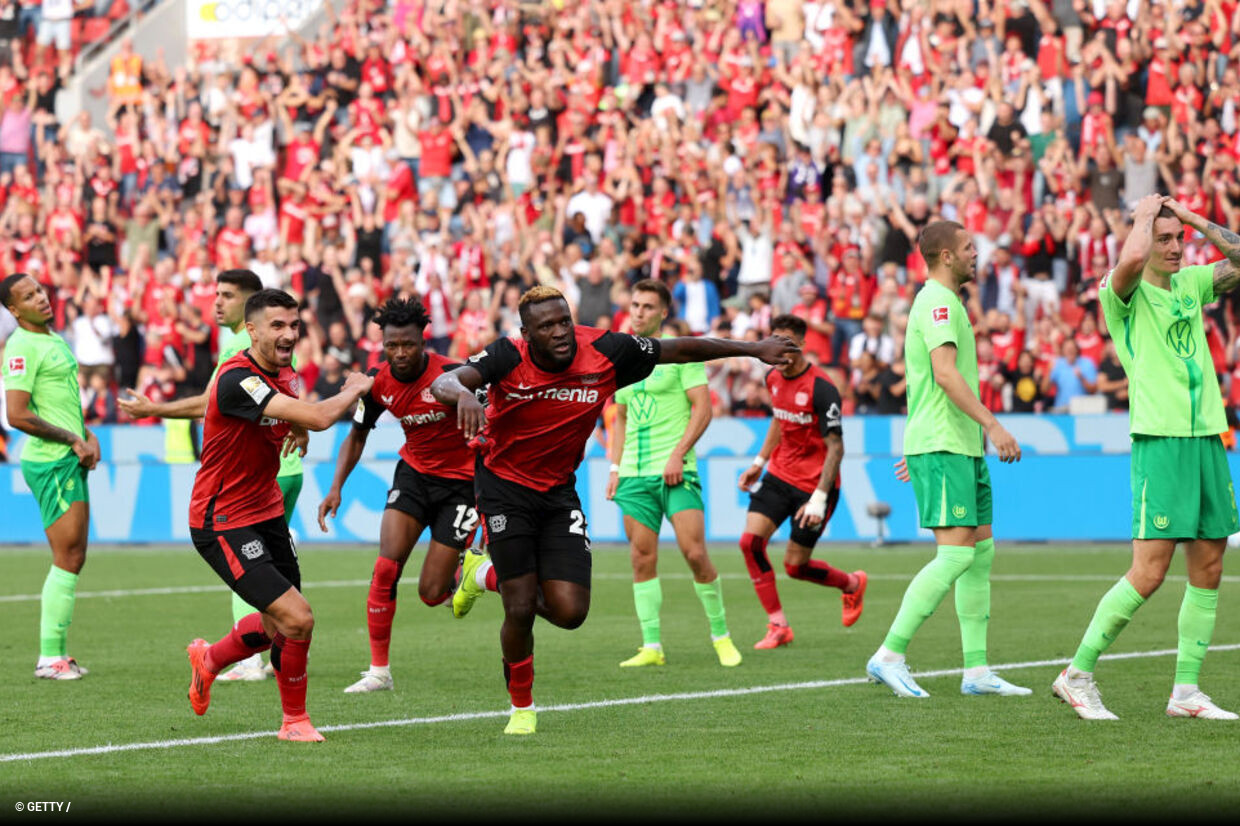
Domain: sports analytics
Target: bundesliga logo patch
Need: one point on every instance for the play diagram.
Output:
(256, 388)
(17, 366)
(939, 315)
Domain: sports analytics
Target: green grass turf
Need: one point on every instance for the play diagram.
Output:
(851, 749)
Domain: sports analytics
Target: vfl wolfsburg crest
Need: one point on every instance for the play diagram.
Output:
(959, 511)
(1161, 522)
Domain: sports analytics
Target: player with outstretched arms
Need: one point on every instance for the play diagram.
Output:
(546, 392)
(433, 486)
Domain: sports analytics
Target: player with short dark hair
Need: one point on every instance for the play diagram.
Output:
(433, 486)
(654, 474)
(44, 401)
(232, 289)
(943, 450)
(236, 512)
(546, 393)
(801, 453)
(1181, 483)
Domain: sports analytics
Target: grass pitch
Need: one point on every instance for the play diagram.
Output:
(792, 732)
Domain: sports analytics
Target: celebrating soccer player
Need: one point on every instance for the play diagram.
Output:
(232, 289)
(1181, 484)
(654, 473)
(943, 450)
(236, 512)
(804, 444)
(44, 401)
(546, 391)
(433, 485)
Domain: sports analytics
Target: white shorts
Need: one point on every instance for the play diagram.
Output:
(57, 30)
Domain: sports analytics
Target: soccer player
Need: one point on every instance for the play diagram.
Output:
(43, 400)
(236, 511)
(433, 485)
(943, 450)
(654, 474)
(804, 445)
(546, 392)
(232, 289)
(1181, 484)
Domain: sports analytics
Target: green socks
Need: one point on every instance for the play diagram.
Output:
(1112, 616)
(925, 593)
(1196, 626)
(59, 591)
(241, 608)
(711, 595)
(648, 597)
(973, 604)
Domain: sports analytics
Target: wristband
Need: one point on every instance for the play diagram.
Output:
(817, 505)
(759, 461)
(613, 468)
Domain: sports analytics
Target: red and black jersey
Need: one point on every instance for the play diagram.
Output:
(433, 443)
(538, 423)
(236, 485)
(807, 408)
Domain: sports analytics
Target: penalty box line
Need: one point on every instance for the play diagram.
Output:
(560, 707)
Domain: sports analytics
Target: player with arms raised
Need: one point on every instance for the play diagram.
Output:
(546, 393)
(43, 400)
(232, 289)
(805, 444)
(943, 450)
(433, 485)
(654, 472)
(1181, 484)
(236, 512)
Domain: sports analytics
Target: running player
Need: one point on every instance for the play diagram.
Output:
(943, 450)
(44, 402)
(654, 473)
(236, 512)
(546, 392)
(1181, 484)
(805, 444)
(433, 485)
(232, 289)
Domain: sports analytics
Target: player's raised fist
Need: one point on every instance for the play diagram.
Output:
(776, 350)
(357, 384)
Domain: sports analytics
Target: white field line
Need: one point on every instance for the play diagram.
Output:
(173, 590)
(563, 707)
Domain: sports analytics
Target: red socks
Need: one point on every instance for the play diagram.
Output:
(753, 548)
(246, 638)
(288, 658)
(381, 608)
(520, 679)
(819, 572)
(492, 583)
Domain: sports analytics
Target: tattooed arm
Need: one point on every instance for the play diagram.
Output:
(1227, 271)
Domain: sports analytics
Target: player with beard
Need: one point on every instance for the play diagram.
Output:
(546, 393)
(943, 451)
(236, 512)
(433, 486)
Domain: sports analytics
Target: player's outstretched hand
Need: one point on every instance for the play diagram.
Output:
(135, 404)
(776, 350)
(358, 384)
(901, 469)
(749, 476)
(1004, 442)
(328, 507)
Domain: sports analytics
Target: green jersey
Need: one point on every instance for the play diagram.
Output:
(44, 366)
(934, 423)
(1161, 341)
(230, 345)
(657, 417)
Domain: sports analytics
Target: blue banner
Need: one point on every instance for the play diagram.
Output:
(1073, 484)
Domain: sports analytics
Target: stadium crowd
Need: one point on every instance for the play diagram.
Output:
(758, 157)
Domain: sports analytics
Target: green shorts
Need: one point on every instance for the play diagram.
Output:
(290, 486)
(56, 486)
(648, 499)
(1181, 489)
(952, 490)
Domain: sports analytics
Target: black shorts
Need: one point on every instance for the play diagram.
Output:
(446, 506)
(529, 531)
(777, 500)
(257, 561)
